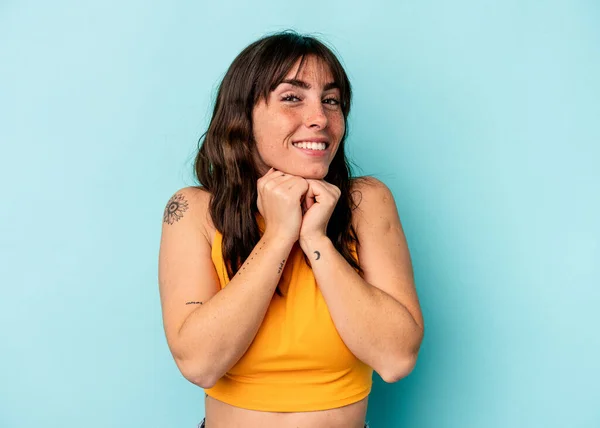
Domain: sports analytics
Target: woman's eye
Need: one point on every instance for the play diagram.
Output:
(332, 101)
(290, 98)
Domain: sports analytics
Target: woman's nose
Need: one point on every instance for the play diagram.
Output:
(315, 115)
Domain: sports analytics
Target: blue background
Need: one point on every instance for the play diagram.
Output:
(483, 117)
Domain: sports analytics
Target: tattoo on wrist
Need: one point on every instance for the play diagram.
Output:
(175, 208)
(193, 303)
(318, 254)
(281, 266)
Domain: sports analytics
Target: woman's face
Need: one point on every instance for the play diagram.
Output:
(301, 114)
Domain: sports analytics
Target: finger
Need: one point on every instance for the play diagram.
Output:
(296, 185)
(322, 192)
(279, 179)
(322, 187)
(277, 173)
(309, 198)
(308, 203)
(271, 175)
(265, 176)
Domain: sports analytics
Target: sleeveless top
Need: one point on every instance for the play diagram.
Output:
(297, 362)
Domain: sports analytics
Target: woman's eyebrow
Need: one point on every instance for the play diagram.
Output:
(304, 85)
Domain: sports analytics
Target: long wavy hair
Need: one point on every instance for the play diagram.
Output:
(225, 166)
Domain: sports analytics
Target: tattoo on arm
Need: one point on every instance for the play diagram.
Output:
(281, 266)
(318, 255)
(193, 303)
(249, 259)
(175, 208)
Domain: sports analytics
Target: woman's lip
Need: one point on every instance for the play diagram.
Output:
(313, 140)
(313, 152)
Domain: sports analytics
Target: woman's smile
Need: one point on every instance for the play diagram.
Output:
(303, 112)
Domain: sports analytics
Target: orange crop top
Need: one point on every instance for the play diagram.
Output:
(297, 361)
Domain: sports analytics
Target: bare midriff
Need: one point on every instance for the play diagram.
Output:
(223, 415)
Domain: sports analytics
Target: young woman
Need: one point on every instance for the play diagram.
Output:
(284, 281)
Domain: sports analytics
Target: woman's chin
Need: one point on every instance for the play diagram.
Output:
(316, 177)
(310, 175)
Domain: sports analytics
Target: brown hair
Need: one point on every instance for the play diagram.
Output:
(224, 164)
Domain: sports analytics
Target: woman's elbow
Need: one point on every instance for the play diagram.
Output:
(203, 381)
(401, 366)
(197, 374)
(401, 369)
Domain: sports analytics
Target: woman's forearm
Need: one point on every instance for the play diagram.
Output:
(216, 335)
(378, 329)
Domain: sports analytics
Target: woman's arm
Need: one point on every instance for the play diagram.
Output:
(378, 315)
(208, 329)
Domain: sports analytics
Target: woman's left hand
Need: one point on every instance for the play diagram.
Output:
(318, 205)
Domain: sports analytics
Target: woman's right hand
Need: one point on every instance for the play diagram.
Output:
(279, 203)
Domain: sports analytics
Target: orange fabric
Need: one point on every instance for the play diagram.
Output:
(297, 361)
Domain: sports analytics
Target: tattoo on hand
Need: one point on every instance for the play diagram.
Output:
(193, 303)
(175, 208)
(281, 266)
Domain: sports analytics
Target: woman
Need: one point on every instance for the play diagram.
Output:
(284, 283)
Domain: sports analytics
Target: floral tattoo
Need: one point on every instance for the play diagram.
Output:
(175, 208)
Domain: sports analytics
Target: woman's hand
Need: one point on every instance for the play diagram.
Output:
(279, 202)
(318, 205)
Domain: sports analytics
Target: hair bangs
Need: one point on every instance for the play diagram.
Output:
(279, 58)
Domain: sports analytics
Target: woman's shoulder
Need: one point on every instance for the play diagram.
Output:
(366, 187)
(192, 202)
(367, 194)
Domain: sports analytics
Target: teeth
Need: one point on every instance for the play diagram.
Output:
(311, 145)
